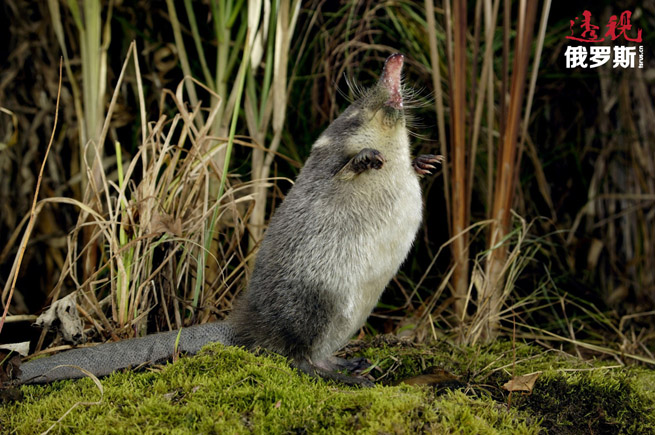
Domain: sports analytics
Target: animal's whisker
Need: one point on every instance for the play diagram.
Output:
(355, 88)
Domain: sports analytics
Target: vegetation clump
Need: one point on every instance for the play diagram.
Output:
(230, 390)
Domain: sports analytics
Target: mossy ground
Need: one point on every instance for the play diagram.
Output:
(229, 390)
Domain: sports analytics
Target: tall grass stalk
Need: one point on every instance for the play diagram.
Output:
(272, 104)
(224, 15)
(93, 38)
(435, 64)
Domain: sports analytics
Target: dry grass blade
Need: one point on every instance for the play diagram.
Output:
(545, 335)
(535, 69)
(153, 228)
(489, 314)
(487, 65)
(438, 98)
(184, 59)
(97, 383)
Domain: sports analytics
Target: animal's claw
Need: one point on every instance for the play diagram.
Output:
(425, 162)
(368, 158)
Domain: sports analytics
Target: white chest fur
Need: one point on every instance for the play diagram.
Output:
(380, 216)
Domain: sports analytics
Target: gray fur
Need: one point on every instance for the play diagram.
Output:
(331, 248)
(336, 240)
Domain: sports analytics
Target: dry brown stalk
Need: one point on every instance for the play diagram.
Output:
(508, 165)
(459, 195)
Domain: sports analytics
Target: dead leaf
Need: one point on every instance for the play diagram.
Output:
(64, 317)
(22, 348)
(522, 383)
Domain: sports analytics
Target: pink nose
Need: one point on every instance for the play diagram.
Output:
(391, 79)
(395, 61)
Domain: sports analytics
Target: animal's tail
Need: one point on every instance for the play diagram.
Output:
(106, 358)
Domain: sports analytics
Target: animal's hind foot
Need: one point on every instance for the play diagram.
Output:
(326, 370)
(352, 365)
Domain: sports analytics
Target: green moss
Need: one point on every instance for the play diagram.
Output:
(466, 415)
(593, 402)
(229, 390)
(571, 396)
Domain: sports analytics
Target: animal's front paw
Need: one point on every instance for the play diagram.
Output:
(424, 163)
(368, 158)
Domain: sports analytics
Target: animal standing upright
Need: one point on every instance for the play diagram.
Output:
(332, 246)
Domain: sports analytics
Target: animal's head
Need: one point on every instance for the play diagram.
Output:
(376, 114)
(384, 101)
